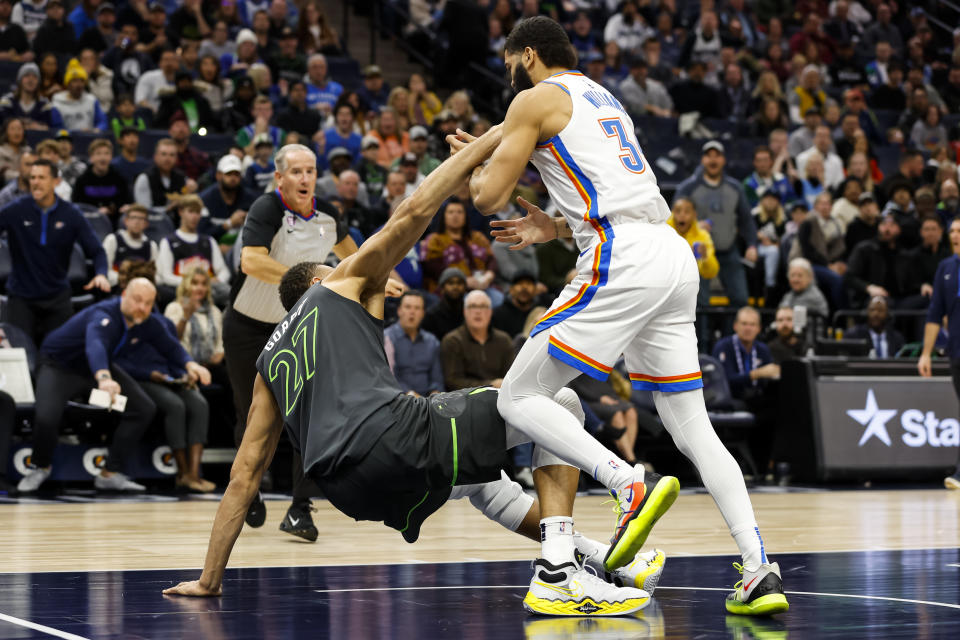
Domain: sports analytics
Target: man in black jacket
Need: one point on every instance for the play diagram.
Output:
(879, 267)
(447, 314)
(55, 34)
(187, 101)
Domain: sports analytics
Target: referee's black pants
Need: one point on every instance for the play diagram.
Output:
(243, 340)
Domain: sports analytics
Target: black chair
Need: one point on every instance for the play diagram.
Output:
(160, 227)
(79, 275)
(101, 223)
(730, 420)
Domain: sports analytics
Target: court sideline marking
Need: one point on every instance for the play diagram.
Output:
(523, 586)
(39, 627)
(677, 554)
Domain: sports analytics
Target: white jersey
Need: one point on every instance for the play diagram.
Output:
(594, 169)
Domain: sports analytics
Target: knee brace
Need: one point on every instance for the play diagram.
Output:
(502, 501)
(569, 400)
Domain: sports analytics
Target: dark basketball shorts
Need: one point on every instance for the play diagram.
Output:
(435, 443)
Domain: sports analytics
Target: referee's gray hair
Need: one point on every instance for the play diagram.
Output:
(281, 158)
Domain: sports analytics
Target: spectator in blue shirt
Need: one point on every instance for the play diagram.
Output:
(83, 17)
(746, 361)
(342, 133)
(375, 90)
(42, 229)
(260, 172)
(322, 92)
(80, 356)
(416, 353)
(945, 303)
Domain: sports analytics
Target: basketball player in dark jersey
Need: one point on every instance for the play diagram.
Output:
(381, 455)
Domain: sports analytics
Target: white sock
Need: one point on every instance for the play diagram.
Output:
(556, 539)
(751, 546)
(685, 417)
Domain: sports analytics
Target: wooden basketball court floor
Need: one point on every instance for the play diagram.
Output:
(856, 564)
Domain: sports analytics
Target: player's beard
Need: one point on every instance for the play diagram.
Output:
(521, 80)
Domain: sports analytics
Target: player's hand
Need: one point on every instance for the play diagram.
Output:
(874, 290)
(533, 228)
(395, 288)
(926, 290)
(924, 366)
(459, 140)
(193, 588)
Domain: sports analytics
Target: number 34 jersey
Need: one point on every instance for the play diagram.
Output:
(326, 368)
(594, 169)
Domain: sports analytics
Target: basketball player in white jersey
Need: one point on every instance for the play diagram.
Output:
(634, 295)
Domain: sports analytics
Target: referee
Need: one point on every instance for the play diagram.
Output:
(284, 227)
(945, 301)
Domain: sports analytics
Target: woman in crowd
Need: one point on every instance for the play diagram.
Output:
(199, 326)
(228, 13)
(455, 245)
(50, 75)
(424, 104)
(928, 132)
(13, 144)
(768, 88)
(26, 103)
(399, 101)
(211, 86)
(314, 32)
(769, 118)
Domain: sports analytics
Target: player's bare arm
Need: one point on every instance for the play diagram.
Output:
(535, 115)
(363, 275)
(253, 457)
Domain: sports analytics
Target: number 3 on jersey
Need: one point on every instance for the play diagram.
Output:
(632, 159)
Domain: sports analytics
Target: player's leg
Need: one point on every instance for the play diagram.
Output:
(664, 359)
(527, 403)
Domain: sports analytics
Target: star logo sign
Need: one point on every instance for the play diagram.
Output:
(874, 419)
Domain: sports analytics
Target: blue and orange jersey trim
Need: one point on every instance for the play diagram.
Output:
(579, 361)
(602, 252)
(685, 382)
(557, 83)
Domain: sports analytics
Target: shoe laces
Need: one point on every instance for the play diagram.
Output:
(739, 568)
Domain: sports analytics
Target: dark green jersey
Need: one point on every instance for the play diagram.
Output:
(325, 365)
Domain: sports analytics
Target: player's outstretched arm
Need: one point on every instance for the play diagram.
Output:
(377, 257)
(256, 451)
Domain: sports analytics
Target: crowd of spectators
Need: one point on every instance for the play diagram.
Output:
(816, 217)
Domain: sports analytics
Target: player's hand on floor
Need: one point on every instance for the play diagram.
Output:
(192, 588)
(533, 228)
